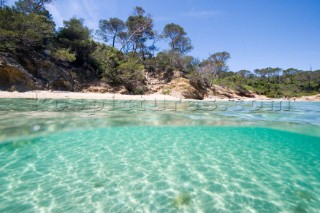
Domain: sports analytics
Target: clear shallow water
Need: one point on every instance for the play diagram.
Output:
(181, 160)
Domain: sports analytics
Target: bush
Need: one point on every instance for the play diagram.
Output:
(64, 55)
(108, 60)
(163, 61)
(199, 82)
(150, 64)
(242, 91)
(132, 76)
(166, 91)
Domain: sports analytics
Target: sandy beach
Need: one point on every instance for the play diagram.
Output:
(82, 95)
(102, 96)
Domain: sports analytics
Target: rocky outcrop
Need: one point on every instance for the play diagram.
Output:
(225, 92)
(23, 72)
(15, 77)
(181, 88)
(56, 78)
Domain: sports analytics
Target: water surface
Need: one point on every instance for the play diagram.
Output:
(87, 156)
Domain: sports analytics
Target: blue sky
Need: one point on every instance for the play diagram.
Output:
(257, 33)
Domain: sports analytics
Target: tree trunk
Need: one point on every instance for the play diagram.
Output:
(113, 40)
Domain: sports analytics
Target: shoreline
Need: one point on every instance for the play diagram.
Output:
(108, 96)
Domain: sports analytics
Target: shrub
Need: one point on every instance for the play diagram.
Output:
(132, 76)
(199, 82)
(64, 55)
(108, 60)
(166, 91)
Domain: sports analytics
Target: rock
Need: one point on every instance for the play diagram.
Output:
(61, 85)
(14, 77)
(223, 92)
(177, 74)
(47, 52)
(181, 88)
(122, 90)
(23, 72)
(241, 91)
(2, 63)
(97, 89)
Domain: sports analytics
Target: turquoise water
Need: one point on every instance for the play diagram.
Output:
(78, 156)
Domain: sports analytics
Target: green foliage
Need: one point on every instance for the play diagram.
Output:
(212, 67)
(169, 61)
(74, 31)
(140, 32)
(118, 71)
(24, 31)
(272, 82)
(244, 73)
(188, 64)
(132, 76)
(111, 29)
(108, 60)
(36, 28)
(32, 6)
(131, 66)
(163, 61)
(76, 37)
(179, 42)
(166, 91)
(64, 55)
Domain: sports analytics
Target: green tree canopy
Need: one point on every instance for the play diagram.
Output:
(108, 60)
(215, 64)
(74, 30)
(140, 30)
(21, 30)
(244, 73)
(32, 6)
(75, 36)
(179, 42)
(111, 29)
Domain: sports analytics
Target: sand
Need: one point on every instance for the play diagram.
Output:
(81, 95)
(102, 96)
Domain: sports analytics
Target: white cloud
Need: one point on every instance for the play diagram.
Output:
(58, 18)
(90, 10)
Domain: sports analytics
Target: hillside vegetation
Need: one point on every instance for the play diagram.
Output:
(122, 56)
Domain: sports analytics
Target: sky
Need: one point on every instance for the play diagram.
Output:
(257, 33)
